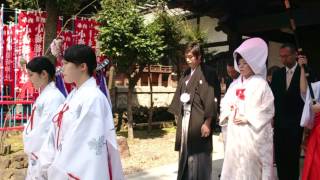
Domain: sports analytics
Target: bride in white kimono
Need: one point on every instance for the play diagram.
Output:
(82, 144)
(41, 74)
(248, 109)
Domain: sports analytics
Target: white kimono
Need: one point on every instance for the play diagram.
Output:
(249, 146)
(37, 128)
(307, 118)
(82, 144)
(224, 112)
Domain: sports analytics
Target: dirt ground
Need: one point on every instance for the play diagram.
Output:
(147, 150)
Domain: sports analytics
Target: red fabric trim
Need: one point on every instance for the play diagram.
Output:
(35, 156)
(59, 121)
(109, 162)
(71, 176)
(312, 158)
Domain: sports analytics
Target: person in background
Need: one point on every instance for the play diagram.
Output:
(270, 72)
(232, 74)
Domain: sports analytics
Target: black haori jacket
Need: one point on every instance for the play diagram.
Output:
(201, 90)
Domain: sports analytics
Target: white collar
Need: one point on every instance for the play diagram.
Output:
(51, 85)
(245, 80)
(91, 82)
(293, 68)
(192, 71)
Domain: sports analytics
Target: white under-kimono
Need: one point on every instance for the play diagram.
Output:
(249, 146)
(37, 128)
(82, 144)
(224, 110)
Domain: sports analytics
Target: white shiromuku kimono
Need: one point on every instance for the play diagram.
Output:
(82, 144)
(224, 112)
(307, 118)
(249, 147)
(37, 128)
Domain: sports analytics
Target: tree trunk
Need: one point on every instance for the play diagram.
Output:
(151, 101)
(51, 24)
(111, 77)
(133, 79)
(129, 104)
(178, 70)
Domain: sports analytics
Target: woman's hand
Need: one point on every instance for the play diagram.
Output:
(302, 60)
(316, 108)
(239, 120)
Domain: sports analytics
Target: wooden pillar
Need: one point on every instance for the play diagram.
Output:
(160, 79)
(150, 79)
(170, 80)
(198, 22)
(112, 75)
(139, 81)
(125, 81)
(234, 40)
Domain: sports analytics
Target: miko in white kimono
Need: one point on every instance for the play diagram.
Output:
(248, 109)
(41, 74)
(82, 144)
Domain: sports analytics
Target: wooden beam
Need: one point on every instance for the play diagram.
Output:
(216, 44)
(303, 17)
(274, 35)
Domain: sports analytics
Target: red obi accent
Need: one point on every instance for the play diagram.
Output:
(109, 162)
(312, 158)
(58, 120)
(240, 93)
(71, 176)
(31, 120)
(35, 157)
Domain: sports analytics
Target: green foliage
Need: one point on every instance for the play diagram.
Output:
(193, 34)
(125, 38)
(172, 33)
(25, 4)
(142, 2)
(65, 6)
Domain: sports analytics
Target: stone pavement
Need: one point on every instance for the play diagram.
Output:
(169, 172)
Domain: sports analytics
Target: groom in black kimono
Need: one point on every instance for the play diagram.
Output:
(194, 105)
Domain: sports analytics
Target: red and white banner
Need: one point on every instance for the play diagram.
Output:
(29, 43)
(85, 32)
(20, 43)
(25, 40)
(31, 26)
